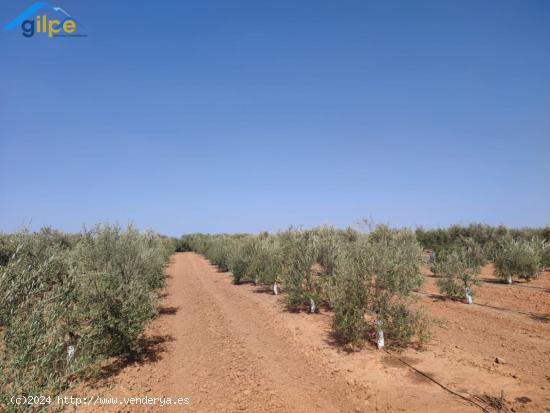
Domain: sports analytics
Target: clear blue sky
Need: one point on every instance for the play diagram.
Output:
(246, 115)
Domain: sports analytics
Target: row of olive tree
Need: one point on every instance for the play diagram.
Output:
(488, 239)
(69, 301)
(371, 276)
(459, 266)
(366, 279)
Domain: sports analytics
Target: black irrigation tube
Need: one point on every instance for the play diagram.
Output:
(537, 317)
(468, 399)
(490, 282)
(533, 287)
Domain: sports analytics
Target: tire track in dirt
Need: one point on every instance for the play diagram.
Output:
(244, 363)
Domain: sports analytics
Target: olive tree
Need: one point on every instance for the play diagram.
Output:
(266, 260)
(518, 258)
(396, 257)
(348, 296)
(299, 281)
(459, 273)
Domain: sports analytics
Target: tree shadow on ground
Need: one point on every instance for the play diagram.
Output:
(333, 339)
(492, 281)
(244, 282)
(167, 310)
(517, 283)
(337, 341)
(263, 289)
(439, 297)
(151, 351)
(545, 318)
(368, 342)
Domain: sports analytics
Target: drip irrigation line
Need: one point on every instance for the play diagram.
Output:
(491, 282)
(468, 399)
(537, 317)
(534, 287)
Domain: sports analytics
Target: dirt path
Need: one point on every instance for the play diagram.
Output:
(235, 348)
(229, 355)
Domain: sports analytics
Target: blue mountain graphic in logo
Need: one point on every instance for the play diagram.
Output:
(29, 11)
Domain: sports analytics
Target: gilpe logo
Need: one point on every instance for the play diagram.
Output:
(42, 18)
